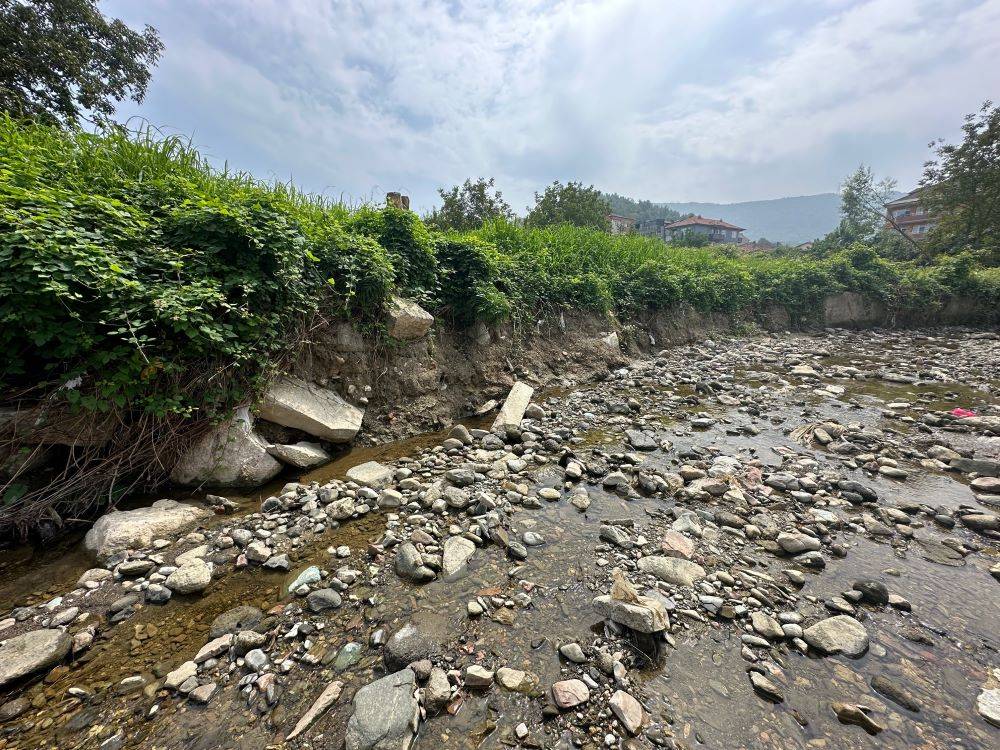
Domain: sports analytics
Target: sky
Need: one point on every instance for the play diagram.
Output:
(659, 99)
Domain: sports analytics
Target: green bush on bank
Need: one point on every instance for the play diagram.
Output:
(171, 288)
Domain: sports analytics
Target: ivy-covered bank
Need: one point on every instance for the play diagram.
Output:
(147, 292)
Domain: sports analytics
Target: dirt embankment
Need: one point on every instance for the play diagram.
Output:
(413, 387)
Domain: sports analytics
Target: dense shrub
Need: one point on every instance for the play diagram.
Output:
(408, 244)
(469, 271)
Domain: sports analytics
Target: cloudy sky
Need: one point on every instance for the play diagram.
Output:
(661, 99)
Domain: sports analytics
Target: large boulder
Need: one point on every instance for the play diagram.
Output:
(131, 529)
(408, 320)
(31, 652)
(386, 714)
(512, 411)
(229, 455)
(311, 408)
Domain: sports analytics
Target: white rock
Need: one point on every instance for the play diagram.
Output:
(230, 455)
(308, 407)
(302, 455)
(131, 529)
(512, 411)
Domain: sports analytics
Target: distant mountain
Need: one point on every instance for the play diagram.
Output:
(787, 220)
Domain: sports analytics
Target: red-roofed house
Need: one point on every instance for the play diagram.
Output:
(717, 230)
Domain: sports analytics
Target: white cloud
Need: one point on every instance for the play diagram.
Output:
(683, 100)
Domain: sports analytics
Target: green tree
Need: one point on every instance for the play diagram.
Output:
(469, 206)
(639, 210)
(571, 203)
(63, 59)
(862, 205)
(962, 187)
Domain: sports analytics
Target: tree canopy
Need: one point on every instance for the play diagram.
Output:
(571, 203)
(962, 188)
(639, 210)
(862, 205)
(63, 60)
(469, 206)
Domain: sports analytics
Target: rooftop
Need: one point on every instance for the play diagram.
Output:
(692, 221)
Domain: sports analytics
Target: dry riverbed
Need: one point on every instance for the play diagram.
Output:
(772, 542)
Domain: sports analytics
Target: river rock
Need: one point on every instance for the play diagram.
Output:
(318, 411)
(228, 455)
(988, 705)
(986, 485)
(570, 693)
(302, 455)
(190, 578)
(236, 619)
(672, 570)
(385, 714)
(438, 690)
(628, 711)
(410, 564)
(873, 592)
(179, 676)
(766, 688)
(307, 577)
(457, 551)
(766, 625)
(647, 615)
(841, 634)
(371, 474)
(898, 693)
(794, 544)
(326, 699)
(132, 529)
(322, 600)
(406, 646)
(94, 576)
(675, 544)
(31, 652)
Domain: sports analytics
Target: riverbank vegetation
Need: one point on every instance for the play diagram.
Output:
(126, 260)
(143, 287)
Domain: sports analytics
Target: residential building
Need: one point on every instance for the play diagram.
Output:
(910, 216)
(621, 224)
(653, 228)
(716, 230)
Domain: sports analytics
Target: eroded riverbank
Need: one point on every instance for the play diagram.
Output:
(707, 454)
